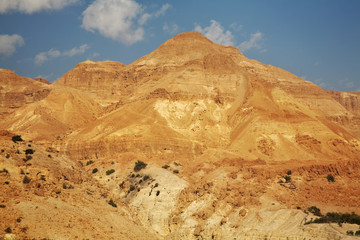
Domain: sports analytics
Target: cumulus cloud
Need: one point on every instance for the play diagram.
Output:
(53, 53)
(171, 29)
(32, 6)
(216, 33)
(120, 20)
(9, 43)
(253, 42)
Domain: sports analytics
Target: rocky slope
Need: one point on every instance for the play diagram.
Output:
(234, 149)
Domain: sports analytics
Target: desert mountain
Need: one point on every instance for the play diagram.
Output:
(232, 147)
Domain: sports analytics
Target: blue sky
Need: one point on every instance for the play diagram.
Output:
(318, 40)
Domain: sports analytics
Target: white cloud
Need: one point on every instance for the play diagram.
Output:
(76, 51)
(253, 42)
(53, 53)
(120, 20)
(114, 19)
(215, 32)
(162, 10)
(32, 6)
(8, 44)
(172, 29)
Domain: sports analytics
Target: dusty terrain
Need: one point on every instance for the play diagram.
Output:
(235, 149)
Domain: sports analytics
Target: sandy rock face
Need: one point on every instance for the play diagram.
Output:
(233, 149)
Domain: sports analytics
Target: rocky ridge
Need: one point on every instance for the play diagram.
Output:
(233, 147)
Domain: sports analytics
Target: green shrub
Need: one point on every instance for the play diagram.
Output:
(2, 150)
(28, 158)
(43, 178)
(89, 162)
(111, 171)
(16, 138)
(288, 172)
(26, 179)
(314, 210)
(18, 220)
(176, 171)
(4, 170)
(146, 177)
(139, 165)
(330, 178)
(8, 230)
(132, 188)
(7, 155)
(2, 206)
(357, 233)
(287, 178)
(111, 202)
(351, 233)
(165, 166)
(29, 151)
(157, 193)
(95, 170)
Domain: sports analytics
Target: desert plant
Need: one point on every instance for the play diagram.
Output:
(43, 178)
(18, 220)
(176, 171)
(157, 193)
(7, 155)
(4, 170)
(8, 230)
(357, 233)
(288, 172)
(2, 150)
(314, 210)
(2, 206)
(350, 233)
(165, 166)
(95, 170)
(132, 188)
(139, 165)
(49, 156)
(28, 158)
(330, 178)
(29, 151)
(26, 179)
(146, 177)
(287, 178)
(89, 162)
(111, 202)
(16, 138)
(111, 171)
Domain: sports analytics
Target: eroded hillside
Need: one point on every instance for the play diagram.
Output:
(229, 147)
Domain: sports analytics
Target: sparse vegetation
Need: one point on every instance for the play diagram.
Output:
(2, 150)
(287, 178)
(176, 171)
(8, 230)
(288, 172)
(146, 177)
(43, 178)
(2, 206)
(16, 138)
(339, 218)
(26, 179)
(95, 170)
(111, 202)
(18, 220)
(350, 233)
(29, 151)
(4, 170)
(49, 156)
(357, 233)
(28, 158)
(132, 188)
(111, 171)
(165, 166)
(89, 162)
(330, 178)
(7, 155)
(139, 165)
(156, 185)
(157, 193)
(314, 210)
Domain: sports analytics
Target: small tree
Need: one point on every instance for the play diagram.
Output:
(26, 179)
(139, 165)
(287, 178)
(16, 138)
(111, 202)
(111, 171)
(314, 210)
(330, 178)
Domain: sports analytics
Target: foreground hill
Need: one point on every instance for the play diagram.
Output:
(223, 146)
